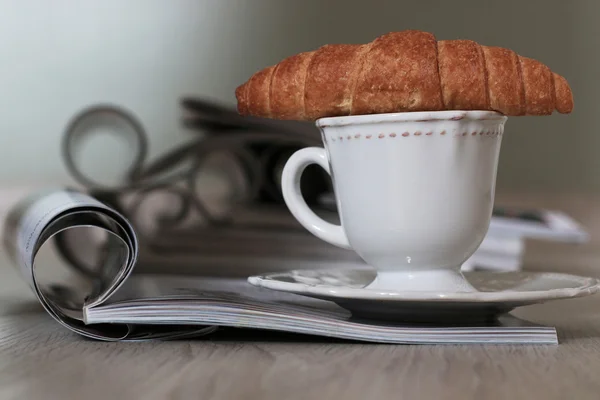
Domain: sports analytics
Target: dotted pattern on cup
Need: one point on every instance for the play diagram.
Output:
(394, 135)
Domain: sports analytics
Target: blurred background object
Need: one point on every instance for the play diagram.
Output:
(211, 205)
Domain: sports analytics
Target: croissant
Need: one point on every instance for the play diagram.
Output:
(402, 72)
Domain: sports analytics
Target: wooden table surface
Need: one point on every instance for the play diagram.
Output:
(41, 360)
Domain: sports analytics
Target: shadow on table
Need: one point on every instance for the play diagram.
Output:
(265, 336)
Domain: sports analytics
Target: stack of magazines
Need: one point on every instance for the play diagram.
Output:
(504, 245)
(106, 300)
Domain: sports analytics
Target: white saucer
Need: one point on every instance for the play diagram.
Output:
(498, 293)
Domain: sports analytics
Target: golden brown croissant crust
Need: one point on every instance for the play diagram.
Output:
(401, 72)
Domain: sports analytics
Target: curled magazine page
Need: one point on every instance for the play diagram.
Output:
(42, 216)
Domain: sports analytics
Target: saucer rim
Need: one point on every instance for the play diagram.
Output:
(588, 286)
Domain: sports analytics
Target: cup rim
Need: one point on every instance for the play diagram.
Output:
(415, 116)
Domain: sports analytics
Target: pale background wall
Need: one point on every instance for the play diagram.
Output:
(59, 56)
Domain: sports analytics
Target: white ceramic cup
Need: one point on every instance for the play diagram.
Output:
(414, 192)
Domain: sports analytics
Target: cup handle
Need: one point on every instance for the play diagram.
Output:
(290, 186)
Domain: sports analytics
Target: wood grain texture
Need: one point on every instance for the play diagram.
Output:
(41, 360)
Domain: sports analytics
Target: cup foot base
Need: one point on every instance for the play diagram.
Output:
(437, 280)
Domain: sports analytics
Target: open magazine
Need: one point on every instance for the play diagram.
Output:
(106, 301)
